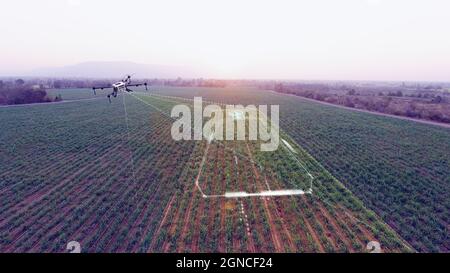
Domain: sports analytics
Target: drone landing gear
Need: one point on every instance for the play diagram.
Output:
(114, 94)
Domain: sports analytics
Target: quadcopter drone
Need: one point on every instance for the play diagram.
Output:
(120, 86)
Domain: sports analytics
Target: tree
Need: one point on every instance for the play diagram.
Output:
(20, 82)
(349, 103)
(57, 84)
(437, 99)
(351, 92)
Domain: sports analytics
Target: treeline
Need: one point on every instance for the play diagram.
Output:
(429, 105)
(89, 83)
(20, 92)
(415, 100)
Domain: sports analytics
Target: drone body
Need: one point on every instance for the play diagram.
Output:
(120, 86)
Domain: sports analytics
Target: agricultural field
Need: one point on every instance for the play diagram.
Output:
(399, 169)
(111, 177)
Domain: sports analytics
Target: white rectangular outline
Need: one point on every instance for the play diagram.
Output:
(242, 194)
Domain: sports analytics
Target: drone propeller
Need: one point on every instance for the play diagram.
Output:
(127, 78)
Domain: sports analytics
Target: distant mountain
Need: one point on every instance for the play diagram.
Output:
(116, 70)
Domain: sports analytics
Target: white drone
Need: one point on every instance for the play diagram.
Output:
(120, 86)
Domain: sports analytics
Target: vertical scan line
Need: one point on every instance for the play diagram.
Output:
(128, 142)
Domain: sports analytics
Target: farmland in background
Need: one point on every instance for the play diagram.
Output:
(110, 177)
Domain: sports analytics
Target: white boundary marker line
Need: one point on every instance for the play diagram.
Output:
(237, 194)
(133, 172)
(299, 163)
(151, 105)
(242, 194)
(289, 146)
(244, 215)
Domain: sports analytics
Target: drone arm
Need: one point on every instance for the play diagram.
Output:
(100, 87)
(139, 84)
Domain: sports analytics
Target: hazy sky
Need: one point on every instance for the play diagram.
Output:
(309, 39)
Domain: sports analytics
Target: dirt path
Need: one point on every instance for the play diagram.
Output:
(163, 221)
